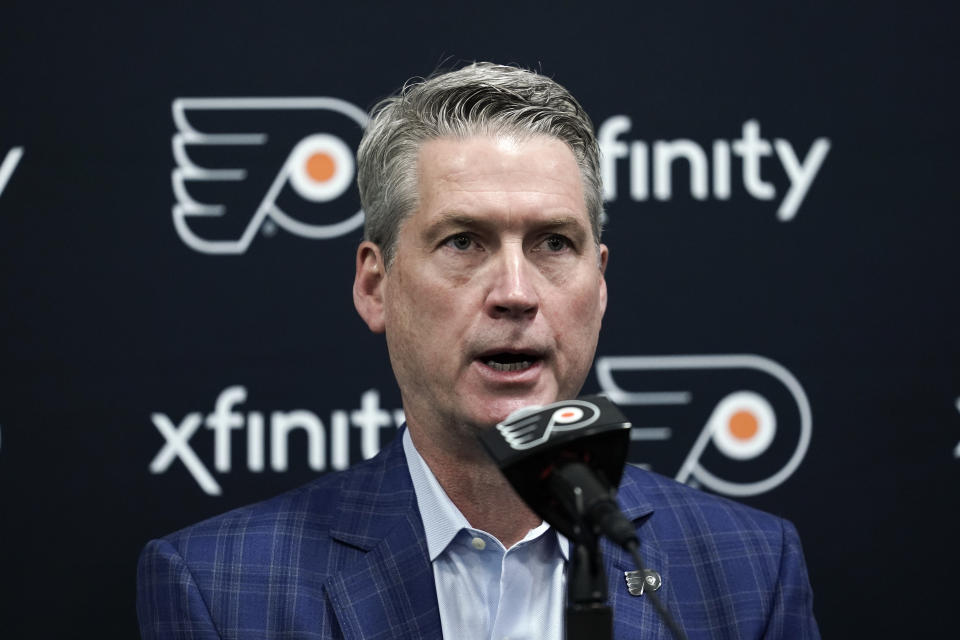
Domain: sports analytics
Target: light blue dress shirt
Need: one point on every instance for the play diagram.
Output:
(486, 592)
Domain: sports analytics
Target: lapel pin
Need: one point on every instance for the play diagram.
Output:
(638, 582)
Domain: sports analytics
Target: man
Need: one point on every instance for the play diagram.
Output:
(482, 265)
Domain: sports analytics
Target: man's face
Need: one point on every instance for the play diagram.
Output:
(495, 296)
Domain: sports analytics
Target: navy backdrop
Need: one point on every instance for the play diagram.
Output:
(177, 335)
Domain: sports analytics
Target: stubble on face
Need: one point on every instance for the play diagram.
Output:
(494, 299)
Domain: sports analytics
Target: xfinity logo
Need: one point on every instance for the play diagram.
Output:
(227, 417)
(750, 148)
(9, 165)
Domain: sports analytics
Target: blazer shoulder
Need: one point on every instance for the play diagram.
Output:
(685, 515)
(749, 560)
(231, 574)
(311, 511)
(267, 567)
(315, 501)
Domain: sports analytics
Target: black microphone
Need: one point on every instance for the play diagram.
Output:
(565, 460)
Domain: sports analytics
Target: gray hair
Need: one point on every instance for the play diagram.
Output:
(479, 99)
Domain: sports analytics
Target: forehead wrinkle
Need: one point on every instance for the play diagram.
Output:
(463, 199)
(472, 180)
(459, 165)
(460, 219)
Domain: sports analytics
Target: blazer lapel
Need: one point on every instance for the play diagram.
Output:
(634, 616)
(390, 590)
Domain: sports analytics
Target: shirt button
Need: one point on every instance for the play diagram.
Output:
(478, 543)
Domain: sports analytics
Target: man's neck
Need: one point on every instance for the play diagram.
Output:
(482, 494)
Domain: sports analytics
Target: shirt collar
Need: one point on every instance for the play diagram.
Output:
(442, 520)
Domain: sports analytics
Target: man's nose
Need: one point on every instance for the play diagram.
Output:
(512, 292)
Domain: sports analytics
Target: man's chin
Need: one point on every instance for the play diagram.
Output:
(499, 409)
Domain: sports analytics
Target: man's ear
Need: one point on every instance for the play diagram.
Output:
(604, 256)
(368, 286)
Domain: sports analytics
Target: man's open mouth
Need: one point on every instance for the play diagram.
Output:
(509, 361)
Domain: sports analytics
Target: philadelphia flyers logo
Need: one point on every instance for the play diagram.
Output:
(737, 424)
(249, 165)
(532, 426)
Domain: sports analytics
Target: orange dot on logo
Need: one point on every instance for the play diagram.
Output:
(743, 425)
(321, 166)
(567, 414)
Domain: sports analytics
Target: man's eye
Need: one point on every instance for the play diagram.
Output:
(556, 242)
(461, 241)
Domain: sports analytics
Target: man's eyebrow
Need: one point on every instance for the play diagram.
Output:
(573, 227)
(563, 221)
(448, 222)
(453, 220)
(456, 219)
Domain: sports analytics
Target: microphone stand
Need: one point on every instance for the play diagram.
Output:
(588, 616)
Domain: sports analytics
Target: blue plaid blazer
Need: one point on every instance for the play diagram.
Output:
(345, 557)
